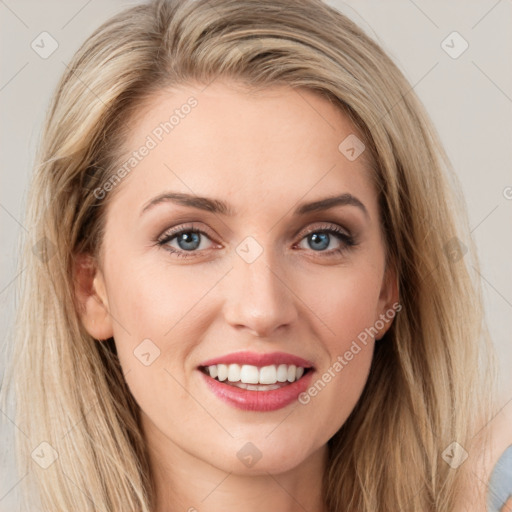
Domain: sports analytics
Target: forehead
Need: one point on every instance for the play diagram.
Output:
(273, 145)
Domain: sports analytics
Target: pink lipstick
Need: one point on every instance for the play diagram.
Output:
(257, 382)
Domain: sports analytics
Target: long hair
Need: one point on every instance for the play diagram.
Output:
(426, 388)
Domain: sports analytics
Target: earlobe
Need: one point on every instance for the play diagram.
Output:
(388, 302)
(91, 297)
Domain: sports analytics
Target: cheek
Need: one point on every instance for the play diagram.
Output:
(163, 328)
(346, 300)
(347, 304)
(156, 301)
(336, 389)
(159, 317)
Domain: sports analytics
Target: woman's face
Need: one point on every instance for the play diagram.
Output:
(270, 272)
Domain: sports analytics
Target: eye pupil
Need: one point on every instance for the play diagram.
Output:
(188, 237)
(322, 237)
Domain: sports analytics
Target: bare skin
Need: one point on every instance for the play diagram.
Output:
(264, 155)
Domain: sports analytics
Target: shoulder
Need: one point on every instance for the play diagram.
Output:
(489, 470)
(500, 483)
(499, 489)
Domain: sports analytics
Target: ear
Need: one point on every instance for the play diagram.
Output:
(388, 305)
(90, 292)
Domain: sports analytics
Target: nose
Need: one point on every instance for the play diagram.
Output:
(258, 297)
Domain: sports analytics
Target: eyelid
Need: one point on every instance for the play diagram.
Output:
(343, 234)
(315, 226)
(187, 226)
(319, 226)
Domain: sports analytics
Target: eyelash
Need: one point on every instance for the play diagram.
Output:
(347, 240)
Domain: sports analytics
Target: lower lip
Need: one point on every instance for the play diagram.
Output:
(259, 400)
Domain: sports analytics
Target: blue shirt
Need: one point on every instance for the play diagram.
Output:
(500, 483)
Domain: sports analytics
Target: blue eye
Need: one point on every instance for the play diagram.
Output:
(189, 240)
(319, 239)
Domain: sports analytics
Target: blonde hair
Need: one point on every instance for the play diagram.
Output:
(425, 389)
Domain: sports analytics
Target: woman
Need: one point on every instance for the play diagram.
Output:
(248, 287)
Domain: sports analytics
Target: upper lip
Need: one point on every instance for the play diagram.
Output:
(259, 359)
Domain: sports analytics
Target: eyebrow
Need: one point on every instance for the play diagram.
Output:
(220, 207)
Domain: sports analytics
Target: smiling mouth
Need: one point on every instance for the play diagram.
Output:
(254, 378)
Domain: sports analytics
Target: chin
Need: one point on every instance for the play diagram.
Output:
(260, 456)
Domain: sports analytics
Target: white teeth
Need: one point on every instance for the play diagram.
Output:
(222, 372)
(253, 387)
(234, 373)
(250, 375)
(213, 371)
(268, 375)
(292, 373)
(282, 372)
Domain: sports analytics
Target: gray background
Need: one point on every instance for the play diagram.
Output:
(469, 99)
